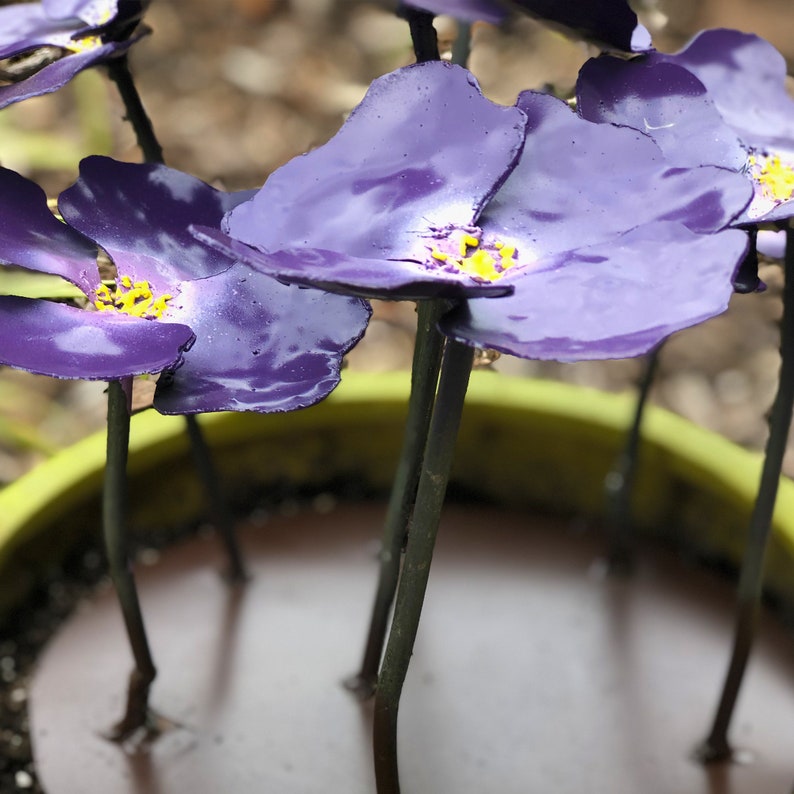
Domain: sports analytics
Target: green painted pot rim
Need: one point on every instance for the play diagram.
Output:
(582, 429)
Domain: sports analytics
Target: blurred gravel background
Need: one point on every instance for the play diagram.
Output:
(235, 88)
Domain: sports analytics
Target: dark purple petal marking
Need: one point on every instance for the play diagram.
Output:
(588, 183)
(140, 214)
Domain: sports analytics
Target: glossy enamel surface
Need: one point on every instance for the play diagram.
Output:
(610, 23)
(65, 342)
(722, 100)
(613, 300)
(577, 209)
(88, 32)
(259, 345)
(423, 150)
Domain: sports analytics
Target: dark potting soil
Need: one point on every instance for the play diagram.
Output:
(21, 640)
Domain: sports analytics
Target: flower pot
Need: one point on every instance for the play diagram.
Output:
(532, 671)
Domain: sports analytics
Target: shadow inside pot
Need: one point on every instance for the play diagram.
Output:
(532, 672)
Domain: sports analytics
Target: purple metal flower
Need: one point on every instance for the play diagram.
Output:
(426, 192)
(376, 210)
(44, 45)
(610, 23)
(720, 101)
(259, 345)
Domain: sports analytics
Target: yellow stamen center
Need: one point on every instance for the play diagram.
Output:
(131, 297)
(84, 44)
(482, 264)
(775, 178)
(471, 251)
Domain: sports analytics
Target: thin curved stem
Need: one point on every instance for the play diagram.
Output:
(619, 483)
(423, 34)
(461, 47)
(119, 71)
(716, 747)
(424, 379)
(453, 382)
(221, 517)
(114, 518)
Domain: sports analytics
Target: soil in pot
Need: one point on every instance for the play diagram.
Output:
(532, 671)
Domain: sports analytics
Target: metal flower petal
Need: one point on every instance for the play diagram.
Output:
(666, 102)
(31, 236)
(404, 179)
(386, 203)
(612, 300)
(260, 345)
(610, 23)
(66, 342)
(592, 182)
(44, 45)
(577, 189)
(721, 100)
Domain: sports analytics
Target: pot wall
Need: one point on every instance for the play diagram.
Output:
(522, 443)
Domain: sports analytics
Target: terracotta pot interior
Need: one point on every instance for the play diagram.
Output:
(532, 671)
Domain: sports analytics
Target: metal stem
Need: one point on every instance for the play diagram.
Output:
(423, 34)
(716, 746)
(424, 379)
(453, 382)
(619, 483)
(114, 520)
(219, 511)
(119, 71)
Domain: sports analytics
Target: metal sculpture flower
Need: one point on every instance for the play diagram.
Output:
(610, 23)
(721, 101)
(259, 345)
(44, 45)
(428, 190)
